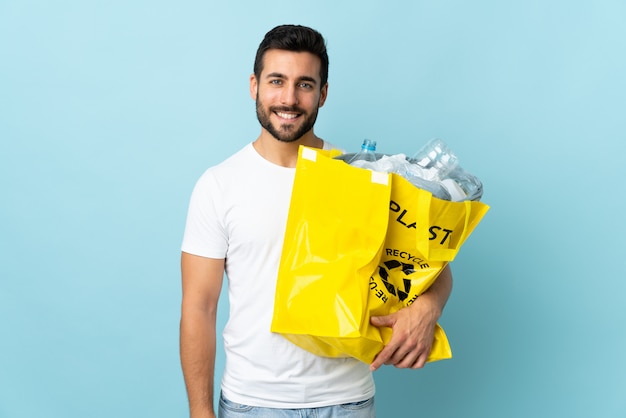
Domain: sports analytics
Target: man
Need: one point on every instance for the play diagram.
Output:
(237, 217)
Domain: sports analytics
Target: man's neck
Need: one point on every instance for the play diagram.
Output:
(284, 153)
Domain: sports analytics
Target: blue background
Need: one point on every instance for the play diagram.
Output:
(110, 111)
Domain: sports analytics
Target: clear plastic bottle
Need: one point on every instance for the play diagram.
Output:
(442, 165)
(469, 186)
(366, 155)
(437, 158)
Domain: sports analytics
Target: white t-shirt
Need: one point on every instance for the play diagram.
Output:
(238, 211)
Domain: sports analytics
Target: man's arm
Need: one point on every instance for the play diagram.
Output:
(202, 283)
(414, 326)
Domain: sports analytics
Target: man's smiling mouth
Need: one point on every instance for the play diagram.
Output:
(289, 116)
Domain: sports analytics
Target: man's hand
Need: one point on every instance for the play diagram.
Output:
(412, 338)
(413, 327)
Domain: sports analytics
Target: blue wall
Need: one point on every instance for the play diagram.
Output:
(109, 112)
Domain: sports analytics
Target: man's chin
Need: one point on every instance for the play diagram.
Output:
(287, 139)
(287, 135)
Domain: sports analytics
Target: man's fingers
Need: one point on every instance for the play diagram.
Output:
(382, 321)
(421, 361)
(383, 357)
(378, 361)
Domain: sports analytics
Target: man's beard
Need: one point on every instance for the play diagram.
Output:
(286, 132)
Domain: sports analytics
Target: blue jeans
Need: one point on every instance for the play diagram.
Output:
(362, 409)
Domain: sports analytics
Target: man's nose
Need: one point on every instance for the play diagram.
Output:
(289, 96)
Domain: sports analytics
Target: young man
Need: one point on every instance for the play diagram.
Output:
(236, 220)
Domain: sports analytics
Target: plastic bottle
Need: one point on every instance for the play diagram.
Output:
(366, 155)
(442, 165)
(468, 185)
(436, 157)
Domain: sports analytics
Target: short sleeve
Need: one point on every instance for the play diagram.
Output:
(205, 234)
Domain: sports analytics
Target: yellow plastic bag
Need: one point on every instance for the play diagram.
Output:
(360, 243)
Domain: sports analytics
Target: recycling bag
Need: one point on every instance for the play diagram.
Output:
(360, 243)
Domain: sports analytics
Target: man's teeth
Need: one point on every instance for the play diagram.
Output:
(286, 115)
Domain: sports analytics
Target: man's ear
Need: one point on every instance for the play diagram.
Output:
(323, 94)
(253, 86)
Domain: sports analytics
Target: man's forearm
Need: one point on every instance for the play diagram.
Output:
(438, 293)
(197, 354)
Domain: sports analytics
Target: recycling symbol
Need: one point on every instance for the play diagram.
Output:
(389, 267)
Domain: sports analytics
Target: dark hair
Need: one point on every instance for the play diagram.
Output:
(294, 38)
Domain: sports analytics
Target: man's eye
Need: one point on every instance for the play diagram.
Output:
(276, 81)
(306, 85)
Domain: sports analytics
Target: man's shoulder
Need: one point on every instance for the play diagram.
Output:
(226, 169)
(234, 161)
(244, 153)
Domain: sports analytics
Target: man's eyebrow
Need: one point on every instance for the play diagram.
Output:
(275, 75)
(302, 78)
(309, 79)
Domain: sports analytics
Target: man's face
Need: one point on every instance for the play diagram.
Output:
(288, 93)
